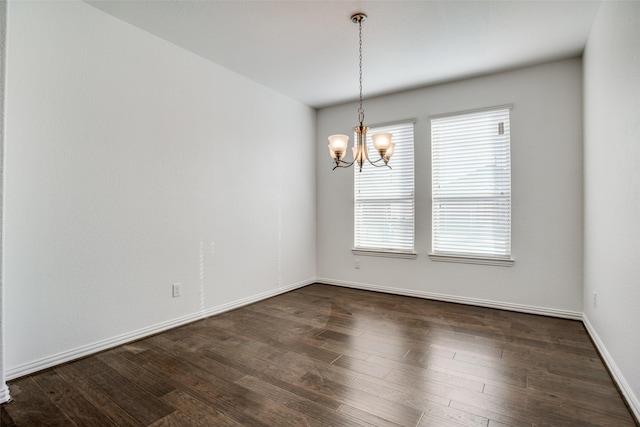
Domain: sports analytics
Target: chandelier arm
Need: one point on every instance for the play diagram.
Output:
(379, 166)
(343, 165)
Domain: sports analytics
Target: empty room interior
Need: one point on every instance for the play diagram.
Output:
(179, 246)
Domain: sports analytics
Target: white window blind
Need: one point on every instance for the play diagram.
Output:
(384, 198)
(471, 179)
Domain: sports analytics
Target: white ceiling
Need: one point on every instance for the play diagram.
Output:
(308, 50)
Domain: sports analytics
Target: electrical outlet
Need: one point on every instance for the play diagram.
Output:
(595, 299)
(177, 290)
(356, 263)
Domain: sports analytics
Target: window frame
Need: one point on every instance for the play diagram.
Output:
(456, 255)
(391, 252)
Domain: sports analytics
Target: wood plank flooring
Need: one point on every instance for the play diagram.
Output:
(330, 356)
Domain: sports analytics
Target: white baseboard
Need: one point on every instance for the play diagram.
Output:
(4, 393)
(544, 311)
(89, 349)
(618, 378)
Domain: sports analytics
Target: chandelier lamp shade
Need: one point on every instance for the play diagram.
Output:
(339, 143)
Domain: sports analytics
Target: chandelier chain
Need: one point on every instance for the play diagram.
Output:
(360, 109)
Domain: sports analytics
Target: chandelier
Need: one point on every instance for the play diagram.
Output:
(382, 141)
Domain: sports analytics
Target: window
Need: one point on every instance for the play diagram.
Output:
(471, 187)
(384, 198)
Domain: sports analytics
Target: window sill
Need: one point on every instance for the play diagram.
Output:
(508, 262)
(384, 253)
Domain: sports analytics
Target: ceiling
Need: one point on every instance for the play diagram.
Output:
(308, 50)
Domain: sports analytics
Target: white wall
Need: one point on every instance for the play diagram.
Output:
(546, 138)
(612, 190)
(133, 164)
(4, 390)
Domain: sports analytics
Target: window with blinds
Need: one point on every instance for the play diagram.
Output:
(384, 198)
(471, 184)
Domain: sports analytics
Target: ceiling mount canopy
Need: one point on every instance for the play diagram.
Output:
(358, 18)
(382, 141)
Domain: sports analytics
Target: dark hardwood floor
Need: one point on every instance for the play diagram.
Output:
(330, 356)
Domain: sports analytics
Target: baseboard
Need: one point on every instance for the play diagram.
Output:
(86, 350)
(618, 378)
(530, 309)
(4, 393)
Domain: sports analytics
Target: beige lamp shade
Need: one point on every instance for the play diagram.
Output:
(381, 141)
(338, 143)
